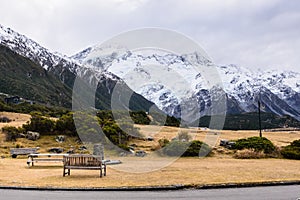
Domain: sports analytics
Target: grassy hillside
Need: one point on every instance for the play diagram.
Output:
(20, 76)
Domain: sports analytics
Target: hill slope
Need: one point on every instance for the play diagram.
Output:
(20, 76)
(35, 73)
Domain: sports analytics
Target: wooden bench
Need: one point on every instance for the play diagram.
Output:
(44, 157)
(22, 151)
(83, 161)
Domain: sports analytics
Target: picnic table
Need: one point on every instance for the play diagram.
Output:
(45, 157)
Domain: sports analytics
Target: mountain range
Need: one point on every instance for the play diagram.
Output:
(30, 62)
(152, 75)
(165, 80)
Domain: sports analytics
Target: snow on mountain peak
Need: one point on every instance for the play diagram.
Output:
(28, 48)
(167, 79)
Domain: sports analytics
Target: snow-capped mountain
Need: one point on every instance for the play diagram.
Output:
(50, 61)
(171, 80)
(175, 83)
(32, 50)
(67, 69)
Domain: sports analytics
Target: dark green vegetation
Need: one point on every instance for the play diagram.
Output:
(140, 117)
(12, 133)
(27, 108)
(255, 143)
(292, 151)
(186, 149)
(20, 76)
(181, 146)
(249, 121)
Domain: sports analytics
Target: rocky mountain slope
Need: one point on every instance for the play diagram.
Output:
(171, 80)
(63, 69)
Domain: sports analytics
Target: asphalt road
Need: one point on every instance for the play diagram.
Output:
(254, 193)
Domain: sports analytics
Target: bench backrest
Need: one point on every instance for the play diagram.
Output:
(82, 160)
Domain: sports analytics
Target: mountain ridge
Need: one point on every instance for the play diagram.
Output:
(278, 90)
(67, 70)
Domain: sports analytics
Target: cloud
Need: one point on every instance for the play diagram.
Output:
(253, 33)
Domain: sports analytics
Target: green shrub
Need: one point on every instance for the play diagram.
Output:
(40, 124)
(197, 148)
(292, 151)
(255, 143)
(65, 124)
(11, 133)
(140, 117)
(295, 143)
(186, 149)
(172, 121)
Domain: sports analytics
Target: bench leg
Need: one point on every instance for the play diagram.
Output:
(28, 162)
(68, 172)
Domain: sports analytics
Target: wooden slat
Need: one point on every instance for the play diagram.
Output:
(47, 160)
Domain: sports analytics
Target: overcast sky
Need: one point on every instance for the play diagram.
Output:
(252, 33)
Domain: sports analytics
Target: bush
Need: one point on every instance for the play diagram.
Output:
(40, 124)
(65, 124)
(140, 117)
(186, 149)
(11, 133)
(255, 143)
(197, 148)
(292, 151)
(295, 143)
(119, 132)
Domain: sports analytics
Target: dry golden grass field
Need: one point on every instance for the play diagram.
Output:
(187, 171)
(220, 168)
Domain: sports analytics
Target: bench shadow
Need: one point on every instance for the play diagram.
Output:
(83, 176)
(45, 167)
